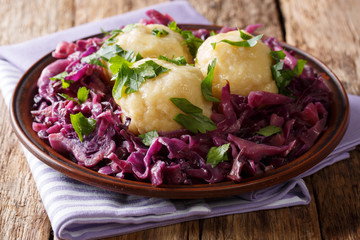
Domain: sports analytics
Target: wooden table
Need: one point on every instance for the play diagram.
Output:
(328, 29)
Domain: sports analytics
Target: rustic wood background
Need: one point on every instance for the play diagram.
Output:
(328, 29)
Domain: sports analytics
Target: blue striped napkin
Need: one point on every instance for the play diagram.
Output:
(80, 211)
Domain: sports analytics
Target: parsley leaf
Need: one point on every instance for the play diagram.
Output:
(173, 26)
(148, 138)
(114, 33)
(106, 52)
(112, 36)
(284, 77)
(159, 32)
(67, 97)
(178, 61)
(269, 130)
(213, 33)
(61, 77)
(82, 94)
(278, 55)
(248, 40)
(192, 42)
(122, 77)
(128, 80)
(128, 28)
(206, 84)
(245, 35)
(217, 155)
(82, 125)
(195, 121)
(299, 67)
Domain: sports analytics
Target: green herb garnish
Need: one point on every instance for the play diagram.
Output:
(67, 97)
(248, 40)
(217, 155)
(206, 84)
(108, 51)
(178, 61)
(278, 55)
(82, 125)
(192, 42)
(284, 77)
(128, 28)
(82, 95)
(112, 36)
(61, 77)
(159, 32)
(213, 33)
(269, 130)
(148, 138)
(114, 33)
(194, 121)
(127, 79)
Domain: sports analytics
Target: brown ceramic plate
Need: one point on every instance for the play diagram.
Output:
(22, 121)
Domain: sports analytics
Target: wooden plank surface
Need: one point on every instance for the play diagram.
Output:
(328, 29)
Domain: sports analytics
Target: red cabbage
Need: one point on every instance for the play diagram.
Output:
(179, 157)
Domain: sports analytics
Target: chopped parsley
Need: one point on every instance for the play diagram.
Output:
(159, 32)
(248, 40)
(194, 121)
(128, 28)
(109, 49)
(178, 61)
(127, 79)
(106, 52)
(269, 130)
(192, 42)
(217, 155)
(67, 97)
(61, 77)
(112, 36)
(82, 125)
(206, 84)
(278, 55)
(82, 95)
(281, 76)
(114, 33)
(148, 138)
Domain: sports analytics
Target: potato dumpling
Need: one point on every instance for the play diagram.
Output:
(150, 108)
(246, 68)
(141, 40)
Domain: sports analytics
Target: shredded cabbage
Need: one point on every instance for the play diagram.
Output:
(178, 157)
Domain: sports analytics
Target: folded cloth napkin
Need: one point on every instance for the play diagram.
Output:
(80, 211)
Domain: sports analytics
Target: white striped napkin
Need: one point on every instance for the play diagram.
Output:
(80, 211)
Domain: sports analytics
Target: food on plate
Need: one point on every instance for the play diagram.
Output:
(246, 107)
(248, 68)
(150, 107)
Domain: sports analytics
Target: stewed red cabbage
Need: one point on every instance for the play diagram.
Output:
(178, 157)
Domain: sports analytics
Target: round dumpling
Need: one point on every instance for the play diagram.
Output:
(150, 108)
(245, 68)
(141, 40)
